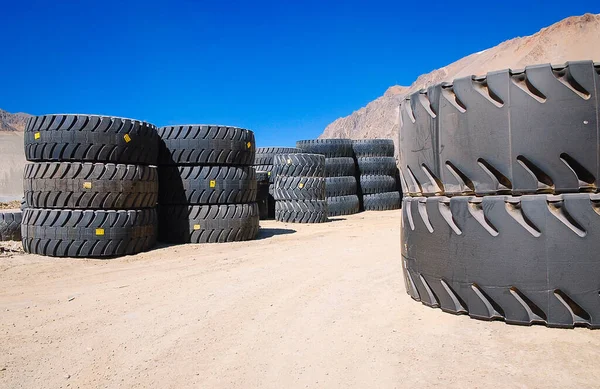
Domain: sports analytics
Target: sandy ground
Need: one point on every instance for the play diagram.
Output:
(304, 306)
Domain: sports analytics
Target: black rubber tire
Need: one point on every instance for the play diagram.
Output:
(90, 138)
(264, 155)
(262, 176)
(269, 169)
(522, 132)
(377, 184)
(76, 185)
(299, 188)
(373, 148)
(384, 166)
(527, 259)
(24, 204)
(340, 167)
(330, 148)
(88, 234)
(208, 223)
(342, 205)
(206, 145)
(311, 211)
(381, 201)
(340, 186)
(10, 225)
(198, 185)
(299, 165)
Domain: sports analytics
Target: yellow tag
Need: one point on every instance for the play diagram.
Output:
(269, 174)
(289, 161)
(127, 138)
(99, 231)
(37, 135)
(196, 227)
(301, 185)
(87, 185)
(212, 183)
(249, 145)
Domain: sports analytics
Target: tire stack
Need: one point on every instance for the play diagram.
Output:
(502, 217)
(341, 188)
(378, 183)
(300, 188)
(263, 162)
(90, 191)
(10, 224)
(207, 184)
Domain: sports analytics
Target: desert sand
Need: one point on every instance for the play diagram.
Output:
(305, 306)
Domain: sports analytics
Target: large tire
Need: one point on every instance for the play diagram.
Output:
(90, 138)
(85, 233)
(299, 165)
(196, 185)
(381, 201)
(377, 184)
(528, 259)
(384, 166)
(311, 211)
(340, 186)
(299, 188)
(521, 132)
(265, 155)
(339, 167)
(373, 148)
(206, 145)
(343, 205)
(208, 223)
(10, 225)
(76, 185)
(330, 148)
(269, 169)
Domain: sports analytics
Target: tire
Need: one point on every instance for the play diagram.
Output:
(299, 165)
(269, 169)
(299, 188)
(262, 176)
(381, 201)
(381, 166)
(525, 260)
(339, 167)
(340, 186)
(208, 223)
(86, 233)
(377, 184)
(511, 132)
(373, 148)
(76, 185)
(197, 185)
(90, 138)
(263, 199)
(264, 155)
(206, 145)
(311, 211)
(330, 148)
(343, 205)
(10, 225)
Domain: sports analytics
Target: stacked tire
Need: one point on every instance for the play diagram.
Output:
(91, 189)
(300, 188)
(263, 162)
(341, 188)
(502, 217)
(378, 174)
(10, 224)
(207, 184)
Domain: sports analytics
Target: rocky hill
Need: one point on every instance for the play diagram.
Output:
(574, 38)
(13, 121)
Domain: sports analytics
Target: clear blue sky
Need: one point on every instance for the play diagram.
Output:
(283, 69)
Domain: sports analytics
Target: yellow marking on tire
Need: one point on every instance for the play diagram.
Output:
(249, 145)
(212, 183)
(99, 231)
(37, 135)
(127, 138)
(301, 185)
(196, 227)
(87, 185)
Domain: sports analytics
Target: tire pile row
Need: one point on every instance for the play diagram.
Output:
(378, 181)
(502, 217)
(208, 187)
(300, 188)
(90, 191)
(341, 188)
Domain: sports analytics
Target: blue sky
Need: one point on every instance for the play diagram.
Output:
(282, 69)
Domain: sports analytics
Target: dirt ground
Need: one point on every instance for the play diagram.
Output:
(305, 306)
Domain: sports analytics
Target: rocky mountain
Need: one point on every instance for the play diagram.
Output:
(13, 121)
(574, 38)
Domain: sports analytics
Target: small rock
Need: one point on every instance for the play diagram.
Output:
(67, 376)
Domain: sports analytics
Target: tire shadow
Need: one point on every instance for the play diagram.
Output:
(265, 233)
